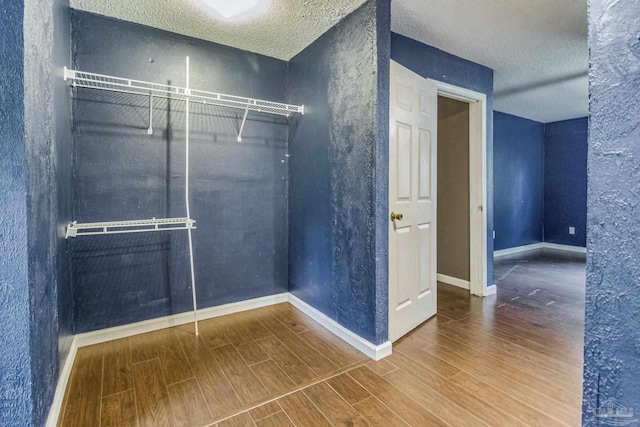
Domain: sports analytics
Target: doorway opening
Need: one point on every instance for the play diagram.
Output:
(462, 167)
(454, 259)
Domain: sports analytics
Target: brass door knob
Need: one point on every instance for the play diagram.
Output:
(396, 216)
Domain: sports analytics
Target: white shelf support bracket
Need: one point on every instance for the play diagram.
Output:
(244, 120)
(150, 130)
(72, 231)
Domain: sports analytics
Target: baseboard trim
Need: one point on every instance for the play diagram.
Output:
(536, 246)
(61, 388)
(566, 248)
(110, 334)
(375, 352)
(517, 250)
(464, 284)
(491, 290)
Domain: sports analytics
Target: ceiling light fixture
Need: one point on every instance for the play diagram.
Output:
(230, 9)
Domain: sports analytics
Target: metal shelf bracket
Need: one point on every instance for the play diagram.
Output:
(244, 120)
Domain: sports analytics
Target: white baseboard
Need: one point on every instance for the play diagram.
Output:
(491, 290)
(464, 284)
(375, 352)
(63, 381)
(518, 249)
(542, 245)
(566, 248)
(131, 329)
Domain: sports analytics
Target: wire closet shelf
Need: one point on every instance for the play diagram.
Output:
(75, 229)
(84, 79)
(88, 80)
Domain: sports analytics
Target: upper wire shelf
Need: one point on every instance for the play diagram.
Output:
(119, 84)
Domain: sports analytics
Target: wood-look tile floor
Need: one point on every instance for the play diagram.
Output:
(173, 378)
(498, 361)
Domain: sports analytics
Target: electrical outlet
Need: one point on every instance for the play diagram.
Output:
(494, 234)
(572, 230)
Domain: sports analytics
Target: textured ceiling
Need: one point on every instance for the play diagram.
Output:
(538, 48)
(281, 30)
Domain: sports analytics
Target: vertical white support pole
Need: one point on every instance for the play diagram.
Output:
(150, 130)
(186, 195)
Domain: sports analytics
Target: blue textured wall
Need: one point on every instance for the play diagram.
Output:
(518, 180)
(16, 405)
(339, 155)
(47, 130)
(612, 330)
(238, 190)
(33, 114)
(565, 179)
(381, 192)
(435, 64)
(63, 155)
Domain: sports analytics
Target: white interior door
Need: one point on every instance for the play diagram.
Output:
(412, 200)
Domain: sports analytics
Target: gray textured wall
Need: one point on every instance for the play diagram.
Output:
(612, 330)
(338, 189)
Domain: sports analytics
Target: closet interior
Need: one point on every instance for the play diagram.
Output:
(216, 215)
(80, 80)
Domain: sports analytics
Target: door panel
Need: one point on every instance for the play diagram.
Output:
(404, 95)
(425, 242)
(425, 164)
(405, 152)
(428, 102)
(403, 293)
(412, 193)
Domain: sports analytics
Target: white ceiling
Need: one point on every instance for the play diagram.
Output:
(537, 48)
(281, 30)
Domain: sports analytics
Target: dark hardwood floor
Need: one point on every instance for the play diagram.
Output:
(512, 359)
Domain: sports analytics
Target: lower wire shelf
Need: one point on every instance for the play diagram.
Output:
(75, 228)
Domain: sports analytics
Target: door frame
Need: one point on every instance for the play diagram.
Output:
(478, 223)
